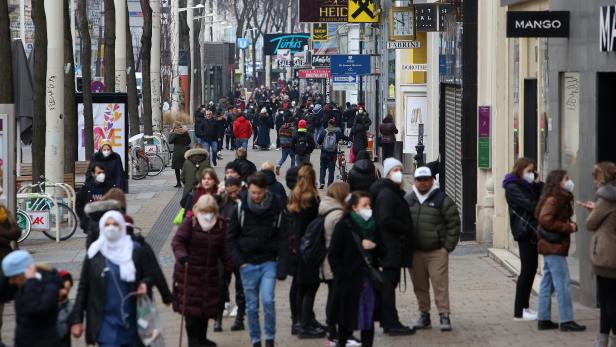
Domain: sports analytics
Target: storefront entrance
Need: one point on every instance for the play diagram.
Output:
(606, 116)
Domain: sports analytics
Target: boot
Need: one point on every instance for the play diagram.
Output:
(218, 325)
(194, 343)
(571, 326)
(269, 343)
(238, 324)
(256, 344)
(445, 322)
(602, 340)
(424, 321)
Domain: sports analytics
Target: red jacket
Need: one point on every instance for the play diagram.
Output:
(242, 128)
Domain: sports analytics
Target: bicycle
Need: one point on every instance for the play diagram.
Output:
(43, 212)
(155, 163)
(137, 163)
(341, 163)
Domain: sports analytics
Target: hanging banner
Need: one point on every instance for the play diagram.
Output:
(293, 42)
(314, 73)
(484, 134)
(363, 11)
(319, 31)
(313, 11)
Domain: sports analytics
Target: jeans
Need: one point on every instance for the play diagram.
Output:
(389, 313)
(212, 147)
(260, 279)
(317, 133)
(529, 260)
(555, 277)
(241, 143)
(328, 163)
(606, 288)
(300, 159)
(287, 152)
(199, 141)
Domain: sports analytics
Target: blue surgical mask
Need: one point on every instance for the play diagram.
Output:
(569, 185)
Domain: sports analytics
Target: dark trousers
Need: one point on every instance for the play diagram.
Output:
(606, 288)
(307, 293)
(229, 141)
(196, 329)
(294, 301)
(388, 150)
(178, 176)
(389, 313)
(367, 337)
(330, 319)
(524, 286)
(240, 300)
(328, 163)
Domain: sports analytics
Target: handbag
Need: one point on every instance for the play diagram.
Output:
(179, 217)
(551, 236)
(375, 275)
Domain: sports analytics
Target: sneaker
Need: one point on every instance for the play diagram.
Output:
(546, 325)
(445, 322)
(423, 322)
(227, 310)
(531, 311)
(399, 330)
(331, 342)
(295, 329)
(277, 170)
(571, 326)
(353, 342)
(527, 315)
(233, 312)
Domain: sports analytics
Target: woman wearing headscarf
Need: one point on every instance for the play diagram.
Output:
(115, 270)
(198, 246)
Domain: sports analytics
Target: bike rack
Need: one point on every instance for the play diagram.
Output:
(68, 193)
(23, 196)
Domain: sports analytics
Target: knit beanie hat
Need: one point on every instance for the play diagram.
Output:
(16, 263)
(389, 164)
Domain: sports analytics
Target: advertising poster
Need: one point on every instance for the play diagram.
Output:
(416, 112)
(110, 123)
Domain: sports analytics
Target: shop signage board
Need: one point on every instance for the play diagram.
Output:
(344, 83)
(538, 24)
(426, 17)
(293, 42)
(319, 31)
(415, 67)
(484, 150)
(314, 73)
(242, 43)
(320, 60)
(403, 44)
(607, 33)
(323, 11)
(350, 65)
(363, 11)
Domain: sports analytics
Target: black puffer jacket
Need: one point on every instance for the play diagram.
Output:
(362, 175)
(522, 199)
(275, 187)
(247, 168)
(114, 171)
(306, 273)
(393, 219)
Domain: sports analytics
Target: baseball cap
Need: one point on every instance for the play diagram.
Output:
(423, 172)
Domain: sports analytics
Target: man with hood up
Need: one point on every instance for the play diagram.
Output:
(242, 131)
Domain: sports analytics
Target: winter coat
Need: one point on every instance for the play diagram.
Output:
(242, 128)
(209, 129)
(602, 222)
(114, 171)
(196, 161)
(334, 211)
(259, 238)
(264, 124)
(362, 175)
(522, 199)
(339, 137)
(275, 187)
(9, 231)
(221, 126)
(203, 249)
(181, 144)
(393, 219)
(199, 120)
(306, 273)
(349, 117)
(359, 132)
(554, 215)
(247, 168)
(91, 290)
(388, 130)
(436, 222)
(36, 310)
(349, 269)
(91, 191)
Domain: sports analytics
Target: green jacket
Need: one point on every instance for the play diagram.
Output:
(196, 161)
(436, 222)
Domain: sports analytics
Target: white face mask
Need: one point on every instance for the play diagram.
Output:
(529, 177)
(206, 220)
(360, 111)
(365, 213)
(396, 177)
(569, 185)
(112, 233)
(100, 178)
(106, 153)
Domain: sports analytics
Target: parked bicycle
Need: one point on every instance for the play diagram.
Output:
(143, 164)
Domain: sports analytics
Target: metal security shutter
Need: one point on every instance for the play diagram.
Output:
(453, 143)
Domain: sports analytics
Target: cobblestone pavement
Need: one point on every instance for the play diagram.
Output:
(481, 291)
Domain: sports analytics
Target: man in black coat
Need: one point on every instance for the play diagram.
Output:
(199, 118)
(393, 219)
(209, 129)
(246, 167)
(92, 190)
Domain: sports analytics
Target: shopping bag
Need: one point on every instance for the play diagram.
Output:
(148, 323)
(351, 157)
(179, 217)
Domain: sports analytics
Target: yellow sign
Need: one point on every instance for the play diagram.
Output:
(363, 11)
(319, 31)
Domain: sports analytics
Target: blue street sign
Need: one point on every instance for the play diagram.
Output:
(350, 65)
(242, 43)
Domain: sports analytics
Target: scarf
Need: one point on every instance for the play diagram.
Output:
(120, 251)
(422, 197)
(263, 206)
(366, 229)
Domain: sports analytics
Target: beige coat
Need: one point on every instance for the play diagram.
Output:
(602, 221)
(328, 204)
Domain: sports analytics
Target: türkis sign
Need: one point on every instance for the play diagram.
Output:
(538, 24)
(293, 42)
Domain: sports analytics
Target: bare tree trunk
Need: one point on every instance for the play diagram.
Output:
(131, 82)
(110, 46)
(70, 120)
(196, 65)
(86, 78)
(40, 74)
(6, 71)
(146, 54)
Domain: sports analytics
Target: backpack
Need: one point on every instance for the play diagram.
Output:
(312, 245)
(301, 147)
(329, 142)
(285, 135)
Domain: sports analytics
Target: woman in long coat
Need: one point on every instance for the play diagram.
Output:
(181, 143)
(264, 124)
(198, 246)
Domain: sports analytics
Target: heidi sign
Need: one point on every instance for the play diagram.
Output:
(322, 11)
(293, 42)
(538, 24)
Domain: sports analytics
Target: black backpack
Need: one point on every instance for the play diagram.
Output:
(301, 146)
(312, 246)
